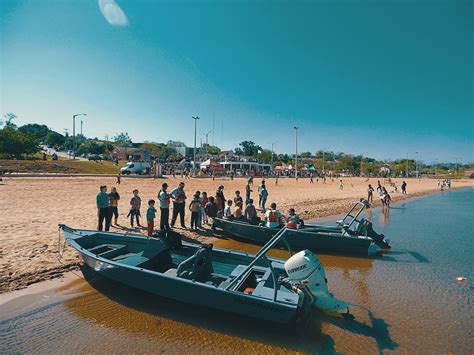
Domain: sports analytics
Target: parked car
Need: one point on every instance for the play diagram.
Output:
(135, 167)
(70, 153)
(103, 157)
(94, 157)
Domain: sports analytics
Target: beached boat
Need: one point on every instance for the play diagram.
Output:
(234, 281)
(352, 234)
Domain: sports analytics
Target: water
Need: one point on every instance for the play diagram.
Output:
(405, 300)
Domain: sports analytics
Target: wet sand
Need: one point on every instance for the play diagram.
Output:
(35, 206)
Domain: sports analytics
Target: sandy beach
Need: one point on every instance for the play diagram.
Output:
(35, 206)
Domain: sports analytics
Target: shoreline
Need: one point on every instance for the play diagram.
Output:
(37, 256)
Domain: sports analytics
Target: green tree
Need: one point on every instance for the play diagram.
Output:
(14, 143)
(248, 148)
(122, 139)
(36, 130)
(54, 138)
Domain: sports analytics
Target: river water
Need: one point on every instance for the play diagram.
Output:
(407, 300)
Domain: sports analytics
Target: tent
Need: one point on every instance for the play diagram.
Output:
(209, 163)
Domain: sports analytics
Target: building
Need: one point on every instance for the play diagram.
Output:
(246, 166)
(127, 153)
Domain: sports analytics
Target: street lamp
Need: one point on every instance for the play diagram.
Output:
(74, 133)
(271, 160)
(195, 118)
(296, 152)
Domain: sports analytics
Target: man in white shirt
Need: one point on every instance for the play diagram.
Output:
(273, 217)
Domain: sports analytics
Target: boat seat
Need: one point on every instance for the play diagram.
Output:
(196, 266)
(133, 260)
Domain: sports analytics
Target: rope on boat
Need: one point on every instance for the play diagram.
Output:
(61, 253)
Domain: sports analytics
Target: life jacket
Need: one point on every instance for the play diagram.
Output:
(273, 216)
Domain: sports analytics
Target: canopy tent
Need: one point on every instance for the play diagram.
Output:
(209, 163)
(311, 168)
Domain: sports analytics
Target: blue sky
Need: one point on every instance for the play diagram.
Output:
(382, 78)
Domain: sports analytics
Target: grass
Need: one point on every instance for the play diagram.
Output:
(60, 166)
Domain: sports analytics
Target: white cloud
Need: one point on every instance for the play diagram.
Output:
(113, 13)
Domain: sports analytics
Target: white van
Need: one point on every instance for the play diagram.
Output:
(134, 167)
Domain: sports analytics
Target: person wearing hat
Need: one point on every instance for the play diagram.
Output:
(164, 198)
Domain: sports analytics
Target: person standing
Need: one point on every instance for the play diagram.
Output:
(135, 204)
(103, 211)
(194, 207)
(341, 185)
(379, 186)
(164, 198)
(263, 193)
(114, 198)
(404, 187)
(220, 199)
(150, 217)
(202, 212)
(311, 178)
(179, 199)
(248, 190)
(370, 194)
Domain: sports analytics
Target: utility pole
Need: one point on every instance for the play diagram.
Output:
(296, 152)
(272, 157)
(106, 142)
(81, 127)
(195, 118)
(74, 133)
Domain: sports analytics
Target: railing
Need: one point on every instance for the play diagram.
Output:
(261, 255)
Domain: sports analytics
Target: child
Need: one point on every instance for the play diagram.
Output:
(194, 207)
(150, 217)
(204, 201)
(238, 210)
(135, 204)
(114, 197)
(211, 208)
(228, 209)
(237, 197)
(250, 211)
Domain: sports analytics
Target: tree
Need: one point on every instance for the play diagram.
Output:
(54, 138)
(14, 143)
(7, 120)
(36, 130)
(248, 148)
(122, 139)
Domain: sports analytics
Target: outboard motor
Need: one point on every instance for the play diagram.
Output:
(306, 273)
(378, 239)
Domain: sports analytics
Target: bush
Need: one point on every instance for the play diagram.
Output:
(14, 143)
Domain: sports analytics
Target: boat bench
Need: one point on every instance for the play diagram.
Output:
(108, 250)
(131, 259)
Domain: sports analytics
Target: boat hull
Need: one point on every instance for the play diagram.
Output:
(298, 238)
(189, 291)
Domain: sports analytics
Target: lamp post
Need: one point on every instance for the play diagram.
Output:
(271, 159)
(81, 127)
(195, 118)
(296, 152)
(74, 133)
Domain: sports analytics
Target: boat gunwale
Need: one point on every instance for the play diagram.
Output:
(85, 251)
(264, 228)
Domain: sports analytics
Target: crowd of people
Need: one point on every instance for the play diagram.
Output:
(203, 208)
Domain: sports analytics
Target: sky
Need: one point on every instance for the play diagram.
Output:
(378, 78)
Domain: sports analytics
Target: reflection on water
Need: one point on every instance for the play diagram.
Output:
(405, 300)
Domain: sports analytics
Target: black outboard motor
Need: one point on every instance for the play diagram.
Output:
(171, 238)
(379, 239)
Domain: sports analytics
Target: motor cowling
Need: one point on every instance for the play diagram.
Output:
(305, 272)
